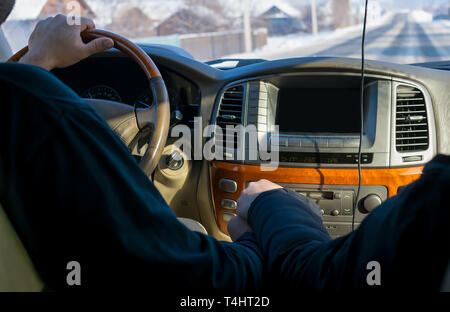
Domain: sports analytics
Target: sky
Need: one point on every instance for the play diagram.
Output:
(28, 8)
(389, 4)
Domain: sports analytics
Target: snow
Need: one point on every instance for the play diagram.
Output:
(421, 16)
(226, 64)
(444, 23)
(261, 6)
(295, 41)
(292, 42)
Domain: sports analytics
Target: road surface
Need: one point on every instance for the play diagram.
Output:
(400, 39)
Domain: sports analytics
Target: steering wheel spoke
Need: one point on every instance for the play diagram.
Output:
(147, 117)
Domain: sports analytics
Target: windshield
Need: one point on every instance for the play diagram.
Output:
(401, 31)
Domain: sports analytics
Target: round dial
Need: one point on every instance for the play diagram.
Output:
(102, 93)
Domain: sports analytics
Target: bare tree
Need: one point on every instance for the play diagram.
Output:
(195, 21)
(215, 6)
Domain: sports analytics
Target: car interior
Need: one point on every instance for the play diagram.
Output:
(313, 100)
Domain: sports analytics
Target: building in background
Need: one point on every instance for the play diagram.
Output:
(192, 20)
(204, 28)
(280, 22)
(53, 7)
(280, 18)
(132, 23)
(440, 12)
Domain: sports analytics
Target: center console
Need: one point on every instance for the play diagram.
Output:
(313, 120)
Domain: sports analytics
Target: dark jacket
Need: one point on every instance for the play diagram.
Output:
(408, 235)
(75, 193)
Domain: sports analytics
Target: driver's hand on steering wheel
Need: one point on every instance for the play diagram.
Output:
(56, 44)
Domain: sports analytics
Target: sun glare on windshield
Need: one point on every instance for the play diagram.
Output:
(403, 31)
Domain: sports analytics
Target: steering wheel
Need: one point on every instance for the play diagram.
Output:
(129, 123)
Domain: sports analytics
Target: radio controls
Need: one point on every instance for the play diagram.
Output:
(283, 141)
(371, 202)
(347, 211)
(335, 143)
(308, 143)
(335, 212)
(305, 141)
(322, 211)
(294, 142)
(316, 196)
(354, 143)
(322, 143)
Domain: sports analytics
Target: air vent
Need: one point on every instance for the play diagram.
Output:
(412, 132)
(230, 113)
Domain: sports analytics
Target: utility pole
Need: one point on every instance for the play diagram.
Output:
(315, 29)
(247, 27)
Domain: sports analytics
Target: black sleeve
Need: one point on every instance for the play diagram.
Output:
(75, 193)
(408, 235)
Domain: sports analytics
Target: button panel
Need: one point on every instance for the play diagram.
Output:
(325, 158)
(294, 142)
(228, 186)
(335, 143)
(227, 216)
(331, 203)
(351, 143)
(229, 204)
(314, 142)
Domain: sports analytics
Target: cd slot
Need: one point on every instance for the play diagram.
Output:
(325, 158)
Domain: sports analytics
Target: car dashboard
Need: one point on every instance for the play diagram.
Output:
(308, 109)
(119, 79)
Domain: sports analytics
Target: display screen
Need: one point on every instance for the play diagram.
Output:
(319, 110)
(325, 158)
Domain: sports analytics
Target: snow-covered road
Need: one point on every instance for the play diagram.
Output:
(401, 38)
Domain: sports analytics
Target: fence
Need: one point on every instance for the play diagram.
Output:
(210, 46)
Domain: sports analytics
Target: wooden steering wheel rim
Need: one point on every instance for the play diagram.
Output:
(159, 114)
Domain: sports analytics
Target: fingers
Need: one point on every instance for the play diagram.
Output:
(253, 190)
(87, 23)
(261, 186)
(57, 40)
(98, 45)
(238, 227)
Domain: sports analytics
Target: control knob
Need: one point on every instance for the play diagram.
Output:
(371, 202)
(335, 212)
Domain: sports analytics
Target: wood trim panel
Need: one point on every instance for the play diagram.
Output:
(391, 178)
